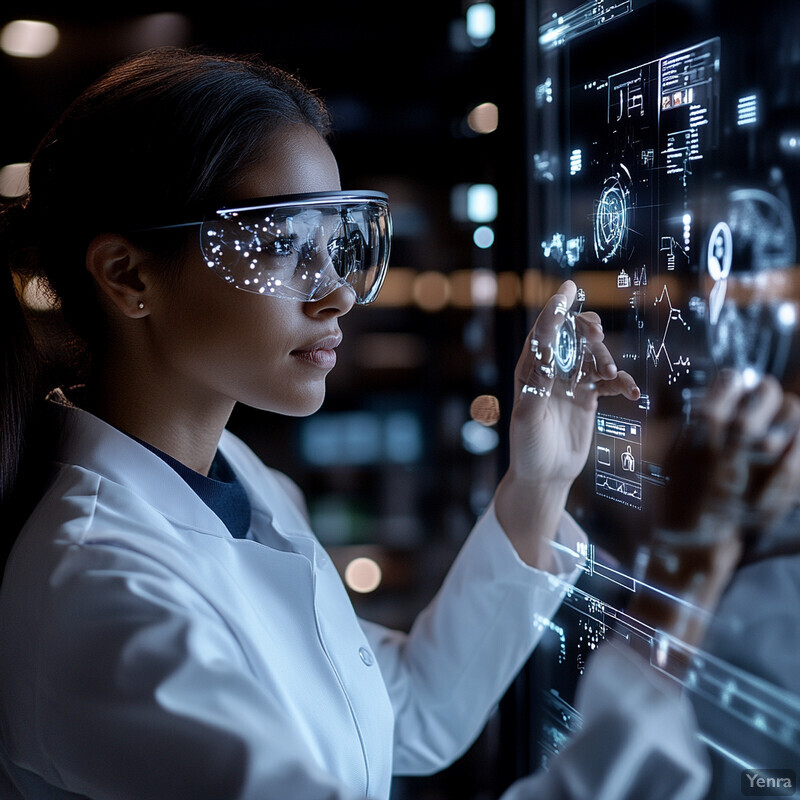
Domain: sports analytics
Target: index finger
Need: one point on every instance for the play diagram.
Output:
(551, 317)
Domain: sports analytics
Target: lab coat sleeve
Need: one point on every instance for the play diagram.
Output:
(145, 693)
(448, 673)
(638, 739)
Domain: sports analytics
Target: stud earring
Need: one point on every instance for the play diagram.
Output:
(141, 304)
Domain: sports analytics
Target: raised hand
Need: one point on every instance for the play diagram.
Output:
(552, 422)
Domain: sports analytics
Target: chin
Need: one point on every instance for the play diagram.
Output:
(297, 406)
(304, 412)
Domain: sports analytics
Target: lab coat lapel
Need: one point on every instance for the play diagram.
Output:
(93, 444)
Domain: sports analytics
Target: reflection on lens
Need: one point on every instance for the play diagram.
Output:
(301, 252)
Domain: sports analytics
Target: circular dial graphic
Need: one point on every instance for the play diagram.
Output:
(566, 347)
(612, 216)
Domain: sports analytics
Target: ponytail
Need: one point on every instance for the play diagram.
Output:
(26, 438)
(20, 363)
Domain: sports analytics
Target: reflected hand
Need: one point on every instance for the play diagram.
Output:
(736, 464)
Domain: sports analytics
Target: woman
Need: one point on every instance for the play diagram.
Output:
(169, 625)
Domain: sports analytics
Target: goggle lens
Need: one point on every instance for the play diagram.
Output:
(302, 250)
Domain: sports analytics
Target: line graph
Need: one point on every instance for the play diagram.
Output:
(658, 350)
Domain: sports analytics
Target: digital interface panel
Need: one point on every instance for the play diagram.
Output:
(618, 457)
(666, 171)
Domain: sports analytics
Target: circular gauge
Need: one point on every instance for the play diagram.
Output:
(612, 216)
(566, 347)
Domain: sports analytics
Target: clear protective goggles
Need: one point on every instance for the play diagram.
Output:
(301, 246)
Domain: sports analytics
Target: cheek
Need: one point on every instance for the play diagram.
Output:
(212, 327)
(238, 344)
(249, 347)
(245, 337)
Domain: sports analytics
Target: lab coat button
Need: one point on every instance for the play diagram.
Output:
(366, 656)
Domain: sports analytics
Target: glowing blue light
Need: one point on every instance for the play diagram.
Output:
(790, 143)
(750, 377)
(483, 237)
(362, 437)
(544, 92)
(787, 315)
(481, 203)
(478, 439)
(575, 162)
(480, 21)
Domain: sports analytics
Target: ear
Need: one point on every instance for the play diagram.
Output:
(117, 267)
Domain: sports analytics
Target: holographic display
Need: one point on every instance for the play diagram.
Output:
(618, 455)
(665, 153)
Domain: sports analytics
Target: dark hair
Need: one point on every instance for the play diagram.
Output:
(161, 136)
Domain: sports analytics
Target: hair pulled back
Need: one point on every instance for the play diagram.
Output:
(157, 139)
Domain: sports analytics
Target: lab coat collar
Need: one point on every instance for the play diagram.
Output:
(92, 444)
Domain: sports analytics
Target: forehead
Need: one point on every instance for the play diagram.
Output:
(296, 160)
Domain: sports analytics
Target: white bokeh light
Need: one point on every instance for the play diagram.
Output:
(27, 38)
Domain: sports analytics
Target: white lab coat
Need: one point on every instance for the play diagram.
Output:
(146, 653)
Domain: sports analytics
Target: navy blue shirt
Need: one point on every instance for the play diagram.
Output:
(221, 491)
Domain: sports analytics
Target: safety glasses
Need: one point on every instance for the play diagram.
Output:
(301, 246)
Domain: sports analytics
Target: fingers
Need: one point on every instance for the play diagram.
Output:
(782, 432)
(737, 416)
(753, 436)
(590, 326)
(758, 411)
(774, 492)
(623, 384)
(599, 364)
(715, 414)
(552, 316)
(536, 368)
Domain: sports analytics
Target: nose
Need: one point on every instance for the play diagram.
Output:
(334, 304)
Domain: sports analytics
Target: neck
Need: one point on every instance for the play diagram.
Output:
(131, 394)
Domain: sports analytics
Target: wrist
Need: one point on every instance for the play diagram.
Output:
(529, 513)
(518, 483)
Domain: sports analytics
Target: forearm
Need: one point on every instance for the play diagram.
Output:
(466, 647)
(685, 577)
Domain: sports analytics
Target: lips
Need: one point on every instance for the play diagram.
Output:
(321, 353)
